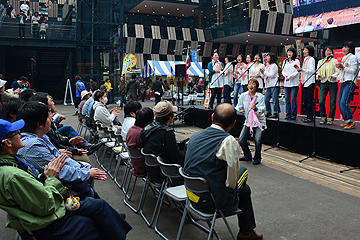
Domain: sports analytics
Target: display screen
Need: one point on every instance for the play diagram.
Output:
(312, 15)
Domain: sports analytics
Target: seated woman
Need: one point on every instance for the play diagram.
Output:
(101, 113)
(159, 139)
(143, 118)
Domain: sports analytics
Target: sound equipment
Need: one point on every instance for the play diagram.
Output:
(180, 70)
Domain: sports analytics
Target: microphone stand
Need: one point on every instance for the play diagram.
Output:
(221, 74)
(313, 154)
(278, 118)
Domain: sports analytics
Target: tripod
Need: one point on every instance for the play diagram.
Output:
(313, 154)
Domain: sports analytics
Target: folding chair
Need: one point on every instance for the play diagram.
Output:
(124, 157)
(177, 193)
(200, 185)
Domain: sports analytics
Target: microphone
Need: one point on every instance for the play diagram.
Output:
(330, 56)
(235, 61)
(257, 61)
(287, 59)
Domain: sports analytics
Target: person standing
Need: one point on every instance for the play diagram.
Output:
(228, 78)
(216, 79)
(254, 71)
(328, 84)
(43, 26)
(306, 71)
(133, 88)
(92, 85)
(348, 67)
(18, 83)
(108, 89)
(122, 92)
(291, 83)
(143, 90)
(271, 73)
(80, 86)
(240, 65)
(252, 102)
(158, 90)
(25, 8)
(23, 19)
(35, 22)
(9, 8)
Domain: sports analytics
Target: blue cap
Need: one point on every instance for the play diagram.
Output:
(7, 127)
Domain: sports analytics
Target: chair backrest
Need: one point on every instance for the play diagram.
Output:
(150, 159)
(134, 152)
(169, 170)
(195, 184)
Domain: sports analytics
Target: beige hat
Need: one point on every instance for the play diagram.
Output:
(2, 83)
(84, 93)
(163, 108)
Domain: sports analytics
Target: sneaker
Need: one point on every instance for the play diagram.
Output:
(329, 122)
(323, 121)
(307, 120)
(268, 115)
(349, 126)
(249, 235)
(121, 108)
(256, 162)
(287, 118)
(343, 125)
(275, 115)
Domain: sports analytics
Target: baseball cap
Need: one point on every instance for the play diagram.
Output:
(7, 127)
(84, 93)
(164, 108)
(2, 83)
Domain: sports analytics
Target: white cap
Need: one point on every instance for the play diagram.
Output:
(2, 83)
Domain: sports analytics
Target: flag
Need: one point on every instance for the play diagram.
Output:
(188, 64)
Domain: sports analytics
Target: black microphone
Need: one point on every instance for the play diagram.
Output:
(330, 56)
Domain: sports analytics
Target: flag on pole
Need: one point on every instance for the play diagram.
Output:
(188, 63)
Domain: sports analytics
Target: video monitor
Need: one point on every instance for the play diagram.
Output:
(312, 15)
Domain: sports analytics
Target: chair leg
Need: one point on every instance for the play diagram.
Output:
(212, 226)
(108, 169)
(182, 222)
(227, 224)
(126, 197)
(158, 212)
(116, 173)
(103, 158)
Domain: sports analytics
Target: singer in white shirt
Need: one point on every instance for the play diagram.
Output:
(228, 78)
(215, 78)
(271, 73)
(291, 83)
(349, 68)
(328, 84)
(255, 73)
(306, 71)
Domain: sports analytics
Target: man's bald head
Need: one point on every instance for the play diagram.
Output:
(224, 115)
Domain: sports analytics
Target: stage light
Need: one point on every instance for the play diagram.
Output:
(138, 10)
(182, 14)
(281, 43)
(193, 10)
(287, 39)
(145, 5)
(248, 35)
(247, 40)
(168, 13)
(161, 7)
(177, 9)
(153, 11)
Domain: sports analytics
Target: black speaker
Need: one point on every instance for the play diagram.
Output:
(205, 62)
(180, 70)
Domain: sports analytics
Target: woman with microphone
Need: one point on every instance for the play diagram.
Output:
(228, 78)
(240, 65)
(271, 73)
(252, 102)
(348, 67)
(216, 79)
(328, 84)
(306, 71)
(255, 73)
(291, 83)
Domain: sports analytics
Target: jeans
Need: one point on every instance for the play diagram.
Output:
(272, 92)
(344, 101)
(116, 121)
(69, 132)
(21, 30)
(237, 88)
(309, 101)
(291, 93)
(109, 98)
(325, 88)
(215, 92)
(244, 88)
(94, 220)
(243, 140)
(227, 91)
(122, 100)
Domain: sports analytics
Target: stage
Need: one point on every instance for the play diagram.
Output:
(331, 141)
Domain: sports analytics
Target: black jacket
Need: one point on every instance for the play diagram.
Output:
(59, 141)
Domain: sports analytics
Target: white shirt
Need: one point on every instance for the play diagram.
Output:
(127, 124)
(229, 151)
(228, 77)
(243, 103)
(273, 75)
(290, 71)
(256, 70)
(310, 69)
(216, 77)
(350, 70)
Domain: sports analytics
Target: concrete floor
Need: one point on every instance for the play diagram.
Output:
(307, 201)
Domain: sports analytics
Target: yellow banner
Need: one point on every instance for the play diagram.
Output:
(128, 63)
(298, 48)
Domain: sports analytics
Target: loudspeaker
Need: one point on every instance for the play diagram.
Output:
(205, 62)
(180, 70)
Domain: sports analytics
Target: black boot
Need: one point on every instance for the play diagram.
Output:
(92, 147)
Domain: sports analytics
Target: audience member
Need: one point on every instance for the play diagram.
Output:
(130, 111)
(9, 8)
(144, 117)
(92, 85)
(85, 95)
(159, 139)
(22, 16)
(158, 90)
(43, 26)
(27, 94)
(213, 154)
(133, 88)
(19, 83)
(10, 109)
(35, 202)
(122, 92)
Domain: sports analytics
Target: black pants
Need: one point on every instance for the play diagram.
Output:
(215, 92)
(308, 101)
(77, 101)
(157, 98)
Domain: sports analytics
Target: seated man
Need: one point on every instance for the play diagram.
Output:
(35, 203)
(159, 139)
(10, 109)
(213, 154)
(39, 150)
(130, 111)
